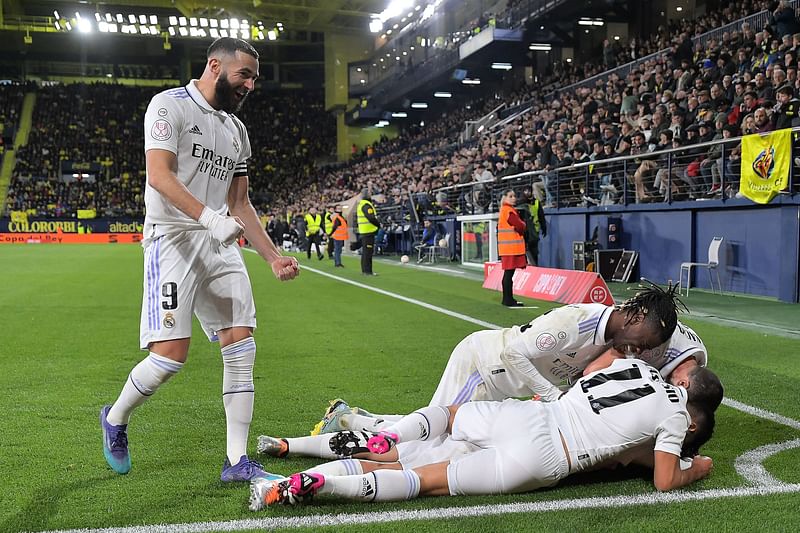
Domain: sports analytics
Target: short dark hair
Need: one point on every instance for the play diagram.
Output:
(705, 388)
(704, 421)
(229, 46)
(659, 307)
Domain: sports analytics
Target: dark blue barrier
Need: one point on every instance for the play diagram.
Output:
(760, 254)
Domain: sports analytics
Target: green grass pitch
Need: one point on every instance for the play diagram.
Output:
(70, 318)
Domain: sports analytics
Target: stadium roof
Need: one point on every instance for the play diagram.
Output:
(311, 15)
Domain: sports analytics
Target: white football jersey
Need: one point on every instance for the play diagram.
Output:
(212, 147)
(625, 405)
(557, 345)
(683, 344)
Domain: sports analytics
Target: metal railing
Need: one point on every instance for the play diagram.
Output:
(473, 127)
(707, 171)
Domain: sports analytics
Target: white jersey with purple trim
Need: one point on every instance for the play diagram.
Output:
(212, 148)
(683, 344)
(555, 346)
(622, 406)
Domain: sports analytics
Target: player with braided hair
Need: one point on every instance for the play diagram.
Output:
(547, 355)
(657, 305)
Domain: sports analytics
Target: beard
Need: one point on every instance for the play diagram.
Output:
(226, 95)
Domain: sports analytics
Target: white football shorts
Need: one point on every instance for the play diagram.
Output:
(416, 453)
(521, 448)
(191, 273)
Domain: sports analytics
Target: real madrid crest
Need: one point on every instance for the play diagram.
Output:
(169, 321)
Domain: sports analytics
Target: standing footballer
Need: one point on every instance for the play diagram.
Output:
(197, 207)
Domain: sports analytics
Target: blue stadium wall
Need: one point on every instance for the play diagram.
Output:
(760, 254)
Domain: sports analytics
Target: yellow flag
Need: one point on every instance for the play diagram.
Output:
(19, 217)
(765, 165)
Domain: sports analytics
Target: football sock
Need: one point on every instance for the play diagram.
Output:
(377, 486)
(237, 394)
(314, 446)
(358, 422)
(143, 382)
(422, 424)
(343, 467)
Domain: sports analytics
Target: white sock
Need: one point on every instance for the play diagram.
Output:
(422, 424)
(143, 382)
(356, 422)
(342, 467)
(237, 394)
(377, 486)
(319, 445)
(313, 446)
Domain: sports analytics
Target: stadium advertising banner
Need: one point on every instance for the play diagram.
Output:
(17, 230)
(551, 284)
(765, 165)
(80, 167)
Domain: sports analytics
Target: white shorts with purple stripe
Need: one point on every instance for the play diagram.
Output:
(461, 381)
(190, 273)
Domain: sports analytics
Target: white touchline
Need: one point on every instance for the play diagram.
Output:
(747, 465)
(316, 521)
(432, 307)
(761, 413)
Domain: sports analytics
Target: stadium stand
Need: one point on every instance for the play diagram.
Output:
(11, 96)
(656, 108)
(101, 140)
(696, 92)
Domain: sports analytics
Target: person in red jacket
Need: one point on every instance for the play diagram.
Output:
(510, 244)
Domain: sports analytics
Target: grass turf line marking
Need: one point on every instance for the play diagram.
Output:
(749, 464)
(406, 299)
(315, 521)
(746, 325)
(762, 413)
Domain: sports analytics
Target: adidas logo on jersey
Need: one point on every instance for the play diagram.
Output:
(195, 130)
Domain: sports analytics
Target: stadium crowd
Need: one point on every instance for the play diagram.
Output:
(92, 134)
(11, 96)
(744, 82)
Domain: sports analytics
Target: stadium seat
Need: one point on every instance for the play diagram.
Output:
(712, 264)
(429, 254)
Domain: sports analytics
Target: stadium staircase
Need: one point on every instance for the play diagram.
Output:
(21, 138)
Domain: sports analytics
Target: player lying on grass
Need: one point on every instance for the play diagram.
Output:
(512, 446)
(544, 357)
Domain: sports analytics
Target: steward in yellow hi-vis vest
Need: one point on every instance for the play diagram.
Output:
(328, 227)
(313, 223)
(510, 244)
(368, 225)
